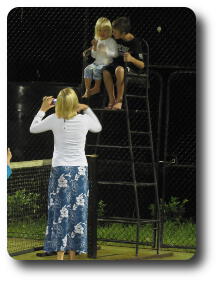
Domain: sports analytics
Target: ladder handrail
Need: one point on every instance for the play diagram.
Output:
(146, 61)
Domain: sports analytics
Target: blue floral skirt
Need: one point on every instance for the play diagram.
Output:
(68, 193)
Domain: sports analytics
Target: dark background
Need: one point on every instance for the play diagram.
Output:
(45, 54)
(45, 44)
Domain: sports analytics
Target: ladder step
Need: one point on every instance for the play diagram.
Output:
(125, 162)
(127, 242)
(138, 111)
(141, 147)
(126, 220)
(140, 76)
(119, 147)
(107, 146)
(140, 133)
(126, 184)
(135, 96)
(107, 110)
(119, 111)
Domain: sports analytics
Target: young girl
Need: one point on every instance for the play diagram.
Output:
(129, 49)
(104, 49)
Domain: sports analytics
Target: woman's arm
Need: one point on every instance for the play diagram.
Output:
(93, 123)
(38, 125)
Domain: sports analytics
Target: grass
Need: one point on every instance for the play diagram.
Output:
(175, 234)
(27, 228)
(179, 234)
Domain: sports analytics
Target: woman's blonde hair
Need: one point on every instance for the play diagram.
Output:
(66, 104)
(102, 23)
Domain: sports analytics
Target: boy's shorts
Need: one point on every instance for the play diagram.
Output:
(111, 68)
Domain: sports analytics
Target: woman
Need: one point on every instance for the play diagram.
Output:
(68, 184)
(130, 51)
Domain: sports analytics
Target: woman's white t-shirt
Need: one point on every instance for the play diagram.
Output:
(69, 136)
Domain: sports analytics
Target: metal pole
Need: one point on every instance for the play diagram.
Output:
(157, 228)
(132, 163)
(92, 207)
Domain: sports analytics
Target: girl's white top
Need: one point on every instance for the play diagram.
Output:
(106, 50)
(69, 136)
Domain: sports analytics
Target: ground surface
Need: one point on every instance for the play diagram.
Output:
(118, 253)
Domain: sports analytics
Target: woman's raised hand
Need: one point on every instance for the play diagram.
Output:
(47, 103)
(9, 156)
(81, 107)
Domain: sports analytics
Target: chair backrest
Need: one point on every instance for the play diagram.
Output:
(145, 51)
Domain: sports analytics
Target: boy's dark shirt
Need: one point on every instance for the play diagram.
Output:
(134, 48)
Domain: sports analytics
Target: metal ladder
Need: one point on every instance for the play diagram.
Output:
(138, 221)
(145, 80)
(156, 220)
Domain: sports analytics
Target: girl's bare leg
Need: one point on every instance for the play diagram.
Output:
(108, 81)
(72, 255)
(87, 83)
(60, 255)
(96, 88)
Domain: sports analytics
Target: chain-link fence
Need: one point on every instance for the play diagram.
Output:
(27, 206)
(46, 44)
(177, 153)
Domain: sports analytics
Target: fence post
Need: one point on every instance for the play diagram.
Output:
(92, 207)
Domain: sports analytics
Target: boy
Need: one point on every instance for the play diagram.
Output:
(129, 49)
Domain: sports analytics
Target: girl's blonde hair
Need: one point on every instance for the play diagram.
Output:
(66, 104)
(102, 23)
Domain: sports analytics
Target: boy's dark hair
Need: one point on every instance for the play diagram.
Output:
(122, 24)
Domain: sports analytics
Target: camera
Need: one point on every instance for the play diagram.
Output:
(54, 101)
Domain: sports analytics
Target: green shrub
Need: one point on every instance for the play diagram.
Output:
(174, 209)
(100, 208)
(23, 204)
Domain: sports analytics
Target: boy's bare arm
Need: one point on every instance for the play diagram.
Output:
(129, 58)
(138, 63)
